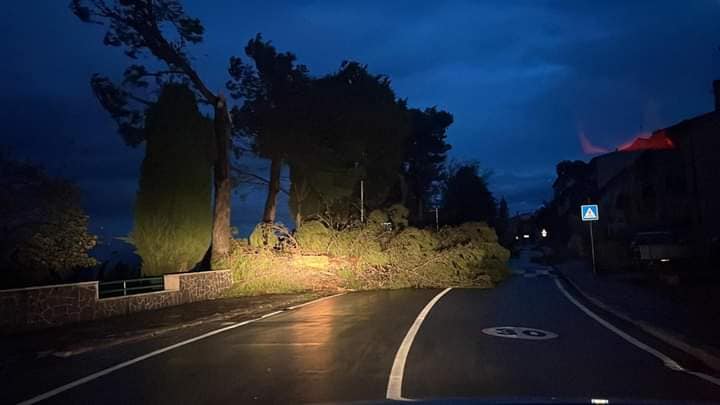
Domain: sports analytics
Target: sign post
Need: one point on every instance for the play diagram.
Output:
(590, 213)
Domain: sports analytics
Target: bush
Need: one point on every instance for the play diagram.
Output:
(263, 236)
(398, 215)
(313, 237)
(373, 257)
(263, 271)
(44, 234)
(465, 255)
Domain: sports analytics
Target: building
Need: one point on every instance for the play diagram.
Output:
(666, 182)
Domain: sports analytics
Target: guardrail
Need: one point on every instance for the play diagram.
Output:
(119, 288)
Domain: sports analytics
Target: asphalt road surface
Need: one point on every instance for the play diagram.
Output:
(343, 349)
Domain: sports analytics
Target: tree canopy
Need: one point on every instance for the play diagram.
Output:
(466, 196)
(357, 130)
(162, 29)
(43, 229)
(273, 117)
(425, 154)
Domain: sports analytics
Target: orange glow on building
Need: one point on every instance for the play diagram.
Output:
(657, 141)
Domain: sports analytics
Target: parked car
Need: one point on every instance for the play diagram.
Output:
(654, 249)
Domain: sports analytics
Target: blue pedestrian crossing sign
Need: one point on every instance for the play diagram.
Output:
(589, 212)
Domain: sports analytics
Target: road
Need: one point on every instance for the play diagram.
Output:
(343, 349)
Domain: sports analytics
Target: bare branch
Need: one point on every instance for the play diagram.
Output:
(261, 180)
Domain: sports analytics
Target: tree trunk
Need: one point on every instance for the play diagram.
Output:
(273, 189)
(403, 190)
(298, 219)
(220, 245)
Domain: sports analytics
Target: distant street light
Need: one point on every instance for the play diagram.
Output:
(543, 233)
(526, 236)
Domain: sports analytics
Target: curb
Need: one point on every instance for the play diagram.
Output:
(710, 360)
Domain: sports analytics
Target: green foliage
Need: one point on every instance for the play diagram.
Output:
(398, 215)
(466, 196)
(43, 229)
(314, 237)
(263, 236)
(467, 232)
(261, 272)
(425, 154)
(466, 255)
(126, 25)
(371, 257)
(163, 30)
(273, 117)
(264, 271)
(173, 218)
(358, 131)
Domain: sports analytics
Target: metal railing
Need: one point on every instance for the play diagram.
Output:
(119, 288)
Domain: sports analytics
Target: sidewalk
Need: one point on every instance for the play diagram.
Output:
(73, 339)
(686, 316)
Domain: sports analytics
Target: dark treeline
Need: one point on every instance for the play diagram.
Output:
(333, 132)
(347, 127)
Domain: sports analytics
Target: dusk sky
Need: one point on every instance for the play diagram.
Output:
(524, 80)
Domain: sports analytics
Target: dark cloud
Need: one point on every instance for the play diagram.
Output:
(522, 79)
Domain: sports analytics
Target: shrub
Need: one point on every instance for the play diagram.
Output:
(313, 237)
(264, 271)
(44, 234)
(464, 255)
(263, 236)
(398, 215)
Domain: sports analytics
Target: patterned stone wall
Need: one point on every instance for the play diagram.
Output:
(202, 286)
(41, 307)
(47, 306)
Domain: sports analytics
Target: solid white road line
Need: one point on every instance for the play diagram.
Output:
(667, 337)
(394, 388)
(316, 300)
(667, 361)
(138, 359)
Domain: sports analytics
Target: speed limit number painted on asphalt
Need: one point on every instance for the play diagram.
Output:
(518, 332)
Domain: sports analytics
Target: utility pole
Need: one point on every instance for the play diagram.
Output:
(362, 201)
(437, 222)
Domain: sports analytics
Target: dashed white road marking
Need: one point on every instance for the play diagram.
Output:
(394, 388)
(138, 359)
(667, 361)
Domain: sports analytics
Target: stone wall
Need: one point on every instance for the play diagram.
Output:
(41, 307)
(193, 288)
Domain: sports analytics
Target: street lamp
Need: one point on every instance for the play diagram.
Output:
(544, 233)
